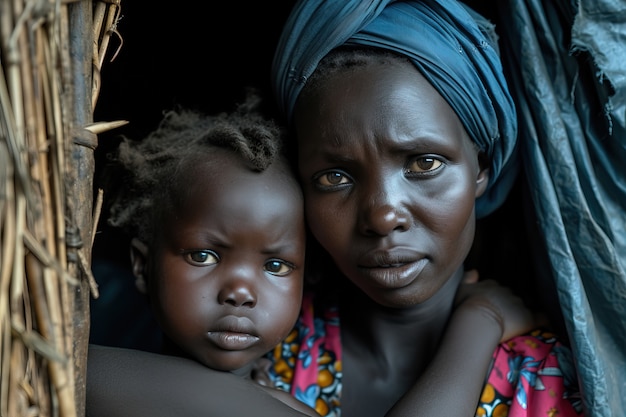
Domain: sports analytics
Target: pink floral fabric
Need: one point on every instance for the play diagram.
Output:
(530, 375)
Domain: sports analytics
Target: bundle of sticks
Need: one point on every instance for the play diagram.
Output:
(51, 55)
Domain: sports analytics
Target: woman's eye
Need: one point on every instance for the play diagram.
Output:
(332, 179)
(276, 267)
(424, 164)
(202, 257)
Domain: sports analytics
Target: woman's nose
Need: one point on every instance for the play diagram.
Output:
(384, 212)
(238, 289)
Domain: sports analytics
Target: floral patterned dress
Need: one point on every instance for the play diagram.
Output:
(530, 376)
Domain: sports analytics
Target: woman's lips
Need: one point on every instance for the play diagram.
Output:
(392, 268)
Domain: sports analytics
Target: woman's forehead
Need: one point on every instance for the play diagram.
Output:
(378, 100)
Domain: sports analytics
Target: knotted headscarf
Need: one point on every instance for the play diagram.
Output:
(452, 46)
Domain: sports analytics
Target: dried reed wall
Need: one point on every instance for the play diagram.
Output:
(51, 55)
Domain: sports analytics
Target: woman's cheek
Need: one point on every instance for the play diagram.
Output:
(323, 221)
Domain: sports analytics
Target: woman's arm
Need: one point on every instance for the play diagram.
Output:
(451, 385)
(286, 398)
(132, 383)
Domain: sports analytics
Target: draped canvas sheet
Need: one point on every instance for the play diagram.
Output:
(567, 62)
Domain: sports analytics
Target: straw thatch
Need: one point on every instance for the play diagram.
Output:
(52, 52)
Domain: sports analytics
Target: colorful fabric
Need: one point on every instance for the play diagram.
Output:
(530, 376)
(308, 362)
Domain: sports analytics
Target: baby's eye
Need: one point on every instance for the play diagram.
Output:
(202, 257)
(332, 179)
(424, 164)
(278, 267)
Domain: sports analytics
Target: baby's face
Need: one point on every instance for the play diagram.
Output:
(390, 179)
(227, 266)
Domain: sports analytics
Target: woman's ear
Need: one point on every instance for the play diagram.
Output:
(482, 179)
(139, 260)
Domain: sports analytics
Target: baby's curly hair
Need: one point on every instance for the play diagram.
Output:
(142, 174)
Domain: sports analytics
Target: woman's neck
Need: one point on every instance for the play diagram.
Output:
(383, 330)
(385, 350)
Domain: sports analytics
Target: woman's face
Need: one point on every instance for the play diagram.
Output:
(390, 178)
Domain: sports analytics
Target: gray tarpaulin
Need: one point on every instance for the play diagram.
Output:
(567, 64)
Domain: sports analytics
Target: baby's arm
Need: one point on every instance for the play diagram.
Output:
(130, 383)
(486, 314)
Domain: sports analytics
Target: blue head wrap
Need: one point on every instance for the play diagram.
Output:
(452, 46)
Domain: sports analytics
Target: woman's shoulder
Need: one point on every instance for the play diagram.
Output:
(532, 375)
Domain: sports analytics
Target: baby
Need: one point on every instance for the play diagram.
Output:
(217, 232)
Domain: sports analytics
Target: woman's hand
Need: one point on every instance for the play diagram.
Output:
(260, 372)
